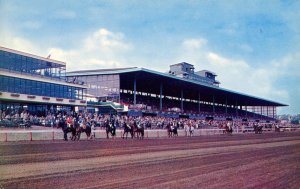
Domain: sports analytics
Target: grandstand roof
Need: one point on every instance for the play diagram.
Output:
(149, 81)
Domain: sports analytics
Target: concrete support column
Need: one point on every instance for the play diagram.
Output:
(134, 91)
(213, 104)
(160, 98)
(181, 100)
(226, 106)
(199, 104)
(236, 109)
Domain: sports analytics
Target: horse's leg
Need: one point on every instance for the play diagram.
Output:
(65, 135)
(73, 135)
(78, 135)
(88, 135)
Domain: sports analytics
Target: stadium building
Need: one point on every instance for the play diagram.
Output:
(181, 92)
(36, 84)
(41, 85)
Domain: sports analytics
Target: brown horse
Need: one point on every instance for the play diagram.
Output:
(110, 128)
(68, 126)
(172, 130)
(127, 129)
(258, 129)
(138, 129)
(227, 129)
(84, 128)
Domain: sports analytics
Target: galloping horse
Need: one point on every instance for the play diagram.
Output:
(127, 129)
(110, 128)
(138, 128)
(172, 130)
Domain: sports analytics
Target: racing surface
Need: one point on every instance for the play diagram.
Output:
(269, 160)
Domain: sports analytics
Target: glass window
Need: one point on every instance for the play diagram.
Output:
(11, 87)
(17, 85)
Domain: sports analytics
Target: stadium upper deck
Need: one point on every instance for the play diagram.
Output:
(150, 90)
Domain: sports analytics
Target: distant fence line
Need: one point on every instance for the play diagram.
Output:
(57, 134)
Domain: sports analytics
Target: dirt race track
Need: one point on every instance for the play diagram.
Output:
(240, 161)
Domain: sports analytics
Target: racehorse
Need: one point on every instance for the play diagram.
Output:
(67, 126)
(84, 128)
(257, 129)
(191, 130)
(228, 128)
(110, 128)
(172, 130)
(127, 129)
(138, 128)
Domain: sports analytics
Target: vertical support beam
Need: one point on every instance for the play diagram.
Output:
(160, 98)
(134, 91)
(267, 111)
(261, 113)
(226, 106)
(236, 109)
(213, 104)
(199, 105)
(181, 100)
(273, 112)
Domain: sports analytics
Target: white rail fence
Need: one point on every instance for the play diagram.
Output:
(57, 134)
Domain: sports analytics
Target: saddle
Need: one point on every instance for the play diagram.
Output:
(83, 126)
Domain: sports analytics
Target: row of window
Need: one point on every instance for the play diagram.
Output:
(24, 86)
(20, 63)
(102, 85)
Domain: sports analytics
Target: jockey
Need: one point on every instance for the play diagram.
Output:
(139, 124)
(69, 121)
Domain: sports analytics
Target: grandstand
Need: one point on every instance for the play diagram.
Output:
(181, 92)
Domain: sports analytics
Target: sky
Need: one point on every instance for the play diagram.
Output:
(252, 45)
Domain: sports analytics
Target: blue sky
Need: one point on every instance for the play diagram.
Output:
(253, 46)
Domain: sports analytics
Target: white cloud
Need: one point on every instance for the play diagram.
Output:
(237, 74)
(101, 49)
(194, 43)
(105, 40)
(17, 43)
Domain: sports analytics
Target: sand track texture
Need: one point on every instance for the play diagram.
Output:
(240, 161)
